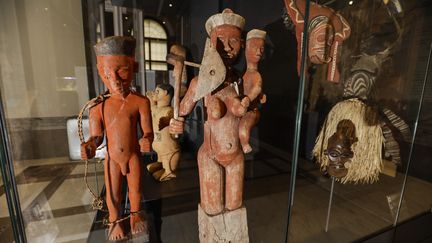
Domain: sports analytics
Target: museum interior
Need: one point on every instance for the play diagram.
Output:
(249, 121)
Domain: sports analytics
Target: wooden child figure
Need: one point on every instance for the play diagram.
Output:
(117, 118)
(252, 85)
(164, 144)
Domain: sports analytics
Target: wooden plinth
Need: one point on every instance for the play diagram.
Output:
(226, 227)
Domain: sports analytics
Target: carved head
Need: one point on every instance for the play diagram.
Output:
(116, 63)
(339, 150)
(255, 40)
(225, 30)
(164, 91)
(321, 39)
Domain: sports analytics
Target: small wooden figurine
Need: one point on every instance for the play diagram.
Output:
(252, 85)
(164, 145)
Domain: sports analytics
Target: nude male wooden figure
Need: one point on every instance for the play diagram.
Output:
(117, 118)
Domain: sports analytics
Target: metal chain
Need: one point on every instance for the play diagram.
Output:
(98, 202)
(106, 221)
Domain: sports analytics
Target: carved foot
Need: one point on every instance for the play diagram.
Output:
(116, 232)
(138, 224)
(157, 175)
(246, 148)
(153, 167)
(166, 176)
(162, 175)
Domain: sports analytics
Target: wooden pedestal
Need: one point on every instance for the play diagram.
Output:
(226, 227)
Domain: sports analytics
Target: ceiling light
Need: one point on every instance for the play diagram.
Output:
(351, 2)
(170, 5)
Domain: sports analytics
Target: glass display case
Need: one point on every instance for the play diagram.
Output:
(336, 149)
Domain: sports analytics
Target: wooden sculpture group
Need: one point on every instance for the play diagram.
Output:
(231, 104)
(231, 111)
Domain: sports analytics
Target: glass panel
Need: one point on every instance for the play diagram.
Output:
(147, 49)
(6, 231)
(418, 190)
(48, 73)
(159, 66)
(267, 167)
(127, 23)
(44, 85)
(153, 29)
(364, 122)
(158, 50)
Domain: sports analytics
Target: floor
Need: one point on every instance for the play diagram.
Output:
(56, 204)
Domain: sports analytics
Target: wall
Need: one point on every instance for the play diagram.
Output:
(43, 76)
(42, 60)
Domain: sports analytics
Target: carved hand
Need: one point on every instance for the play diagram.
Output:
(145, 145)
(263, 99)
(88, 149)
(176, 126)
(245, 102)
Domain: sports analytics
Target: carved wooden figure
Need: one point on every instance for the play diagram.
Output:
(220, 158)
(252, 85)
(117, 118)
(164, 145)
(327, 31)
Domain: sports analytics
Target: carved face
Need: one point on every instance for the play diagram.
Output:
(321, 39)
(338, 154)
(160, 94)
(227, 39)
(116, 72)
(254, 50)
(339, 150)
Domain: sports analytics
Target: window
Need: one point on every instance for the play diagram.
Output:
(155, 43)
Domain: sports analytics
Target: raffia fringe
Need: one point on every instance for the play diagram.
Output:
(366, 163)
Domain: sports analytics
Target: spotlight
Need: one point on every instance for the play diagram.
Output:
(170, 5)
(351, 2)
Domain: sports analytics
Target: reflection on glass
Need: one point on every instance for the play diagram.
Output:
(153, 29)
(147, 49)
(6, 231)
(374, 72)
(159, 66)
(44, 83)
(158, 50)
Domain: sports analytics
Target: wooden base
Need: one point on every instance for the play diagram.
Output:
(388, 168)
(226, 227)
